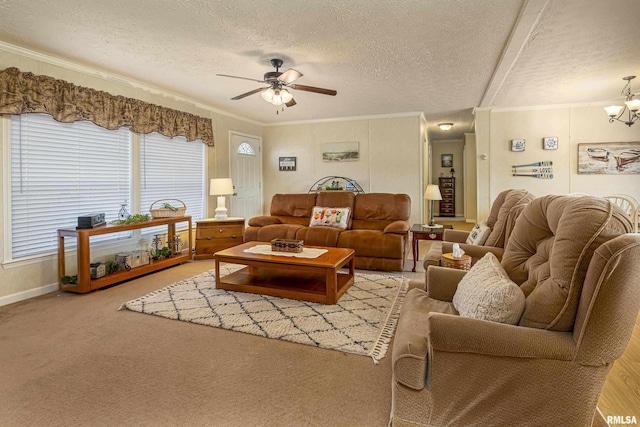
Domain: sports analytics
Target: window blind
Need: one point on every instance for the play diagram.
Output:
(171, 169)
(60, 171)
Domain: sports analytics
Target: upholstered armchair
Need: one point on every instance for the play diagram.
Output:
(504, 211)
(576, 267)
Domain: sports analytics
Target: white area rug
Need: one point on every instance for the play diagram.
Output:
(362, 322)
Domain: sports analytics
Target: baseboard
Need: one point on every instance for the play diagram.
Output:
(31, 293)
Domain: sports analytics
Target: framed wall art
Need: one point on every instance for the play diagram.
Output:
(517, 145)
(287, 163)
(550, 143)
(609, 158)
(340, 151)
(446, 160)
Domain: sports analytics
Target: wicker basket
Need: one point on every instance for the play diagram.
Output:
(166, 212)
(464, 263)
(285, 245)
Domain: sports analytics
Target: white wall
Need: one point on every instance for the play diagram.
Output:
(496, 129)
(390, 157)
(27, 279)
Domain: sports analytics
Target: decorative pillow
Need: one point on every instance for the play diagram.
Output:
(329, 217)
(487, 293)
(479, 234)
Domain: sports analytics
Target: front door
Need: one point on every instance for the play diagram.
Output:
(246, 173)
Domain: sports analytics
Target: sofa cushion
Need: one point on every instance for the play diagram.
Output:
(319, 236)
(549, 250)
(335, 199)
(498, 217)
(478, 234)
(296, 205)
(329, 217)
(374, 211)
(373, 243)
(487, 293)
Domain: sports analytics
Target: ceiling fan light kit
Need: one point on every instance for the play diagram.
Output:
(631, 105)
(276, 92)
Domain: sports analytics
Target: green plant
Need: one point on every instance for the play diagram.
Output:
(168, 206)
(133, 219)
(165, 252)
(69, 280)
(110, 266)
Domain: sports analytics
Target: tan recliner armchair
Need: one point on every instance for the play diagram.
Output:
(504, 211)
(579, 272)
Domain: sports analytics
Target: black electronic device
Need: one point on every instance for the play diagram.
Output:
(91, 220)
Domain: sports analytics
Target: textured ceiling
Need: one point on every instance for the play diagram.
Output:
(440, 57)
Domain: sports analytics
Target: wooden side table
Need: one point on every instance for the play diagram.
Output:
(418, 232)
(213, 235)
(463, 263)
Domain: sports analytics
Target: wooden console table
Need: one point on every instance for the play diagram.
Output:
(85, 283)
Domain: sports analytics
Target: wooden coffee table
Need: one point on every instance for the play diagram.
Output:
(307, 279)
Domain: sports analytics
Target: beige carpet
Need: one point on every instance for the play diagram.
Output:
(362, 322)
(74, 360)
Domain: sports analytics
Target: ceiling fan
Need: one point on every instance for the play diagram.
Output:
(276, 92)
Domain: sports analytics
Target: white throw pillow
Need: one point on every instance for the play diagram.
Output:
(329, 217)
(479, 234)
(487, 293)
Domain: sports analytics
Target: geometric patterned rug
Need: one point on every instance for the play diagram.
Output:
(362, 322)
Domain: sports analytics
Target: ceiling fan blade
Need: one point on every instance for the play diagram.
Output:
(244, 95)
(291, 103)
(314, 89)
(290, 76)
(238, 77)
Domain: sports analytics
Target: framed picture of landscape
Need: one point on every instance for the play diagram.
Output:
(347, 151)
(609, 158)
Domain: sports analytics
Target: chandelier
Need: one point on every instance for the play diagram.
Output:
(631, 105)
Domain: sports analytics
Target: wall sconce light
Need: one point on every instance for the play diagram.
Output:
(445, 126)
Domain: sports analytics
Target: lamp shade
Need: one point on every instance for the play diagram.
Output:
(614, 110)
(220, 187)
(432, 192)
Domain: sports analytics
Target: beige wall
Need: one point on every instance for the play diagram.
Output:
(496, 129)
(31, 278)
(470, 177)
(390, 157)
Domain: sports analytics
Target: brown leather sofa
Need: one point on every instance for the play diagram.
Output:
(378, 227)
(575, 260)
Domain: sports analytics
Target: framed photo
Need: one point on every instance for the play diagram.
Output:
(609, 158)
(347, 151)
(550, 143)
(446, 160)
(517, 145)
(287, 163)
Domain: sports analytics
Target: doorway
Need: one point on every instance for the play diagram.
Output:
(245, 162)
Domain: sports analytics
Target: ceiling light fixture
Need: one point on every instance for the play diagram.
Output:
(630, 104)
(445, 126)
(277, 95)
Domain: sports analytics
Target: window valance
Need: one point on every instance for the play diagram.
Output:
(27, 93)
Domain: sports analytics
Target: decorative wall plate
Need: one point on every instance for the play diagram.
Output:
(550, 143)
(517, 145)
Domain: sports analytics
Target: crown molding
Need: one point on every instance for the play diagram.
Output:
(347, 119)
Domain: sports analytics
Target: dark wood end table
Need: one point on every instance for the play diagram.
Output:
(419, 232)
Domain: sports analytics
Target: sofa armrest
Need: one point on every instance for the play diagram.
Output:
(474, 251)
(442, 282)
(456, 334)
(261, 221)
(397, 227)
(455, 236)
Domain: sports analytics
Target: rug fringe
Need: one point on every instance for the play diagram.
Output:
(381, 346)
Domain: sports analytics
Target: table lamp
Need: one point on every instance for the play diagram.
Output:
(432, 193)
(221, 187)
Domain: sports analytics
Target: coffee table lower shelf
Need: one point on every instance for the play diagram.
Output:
(303, 286)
